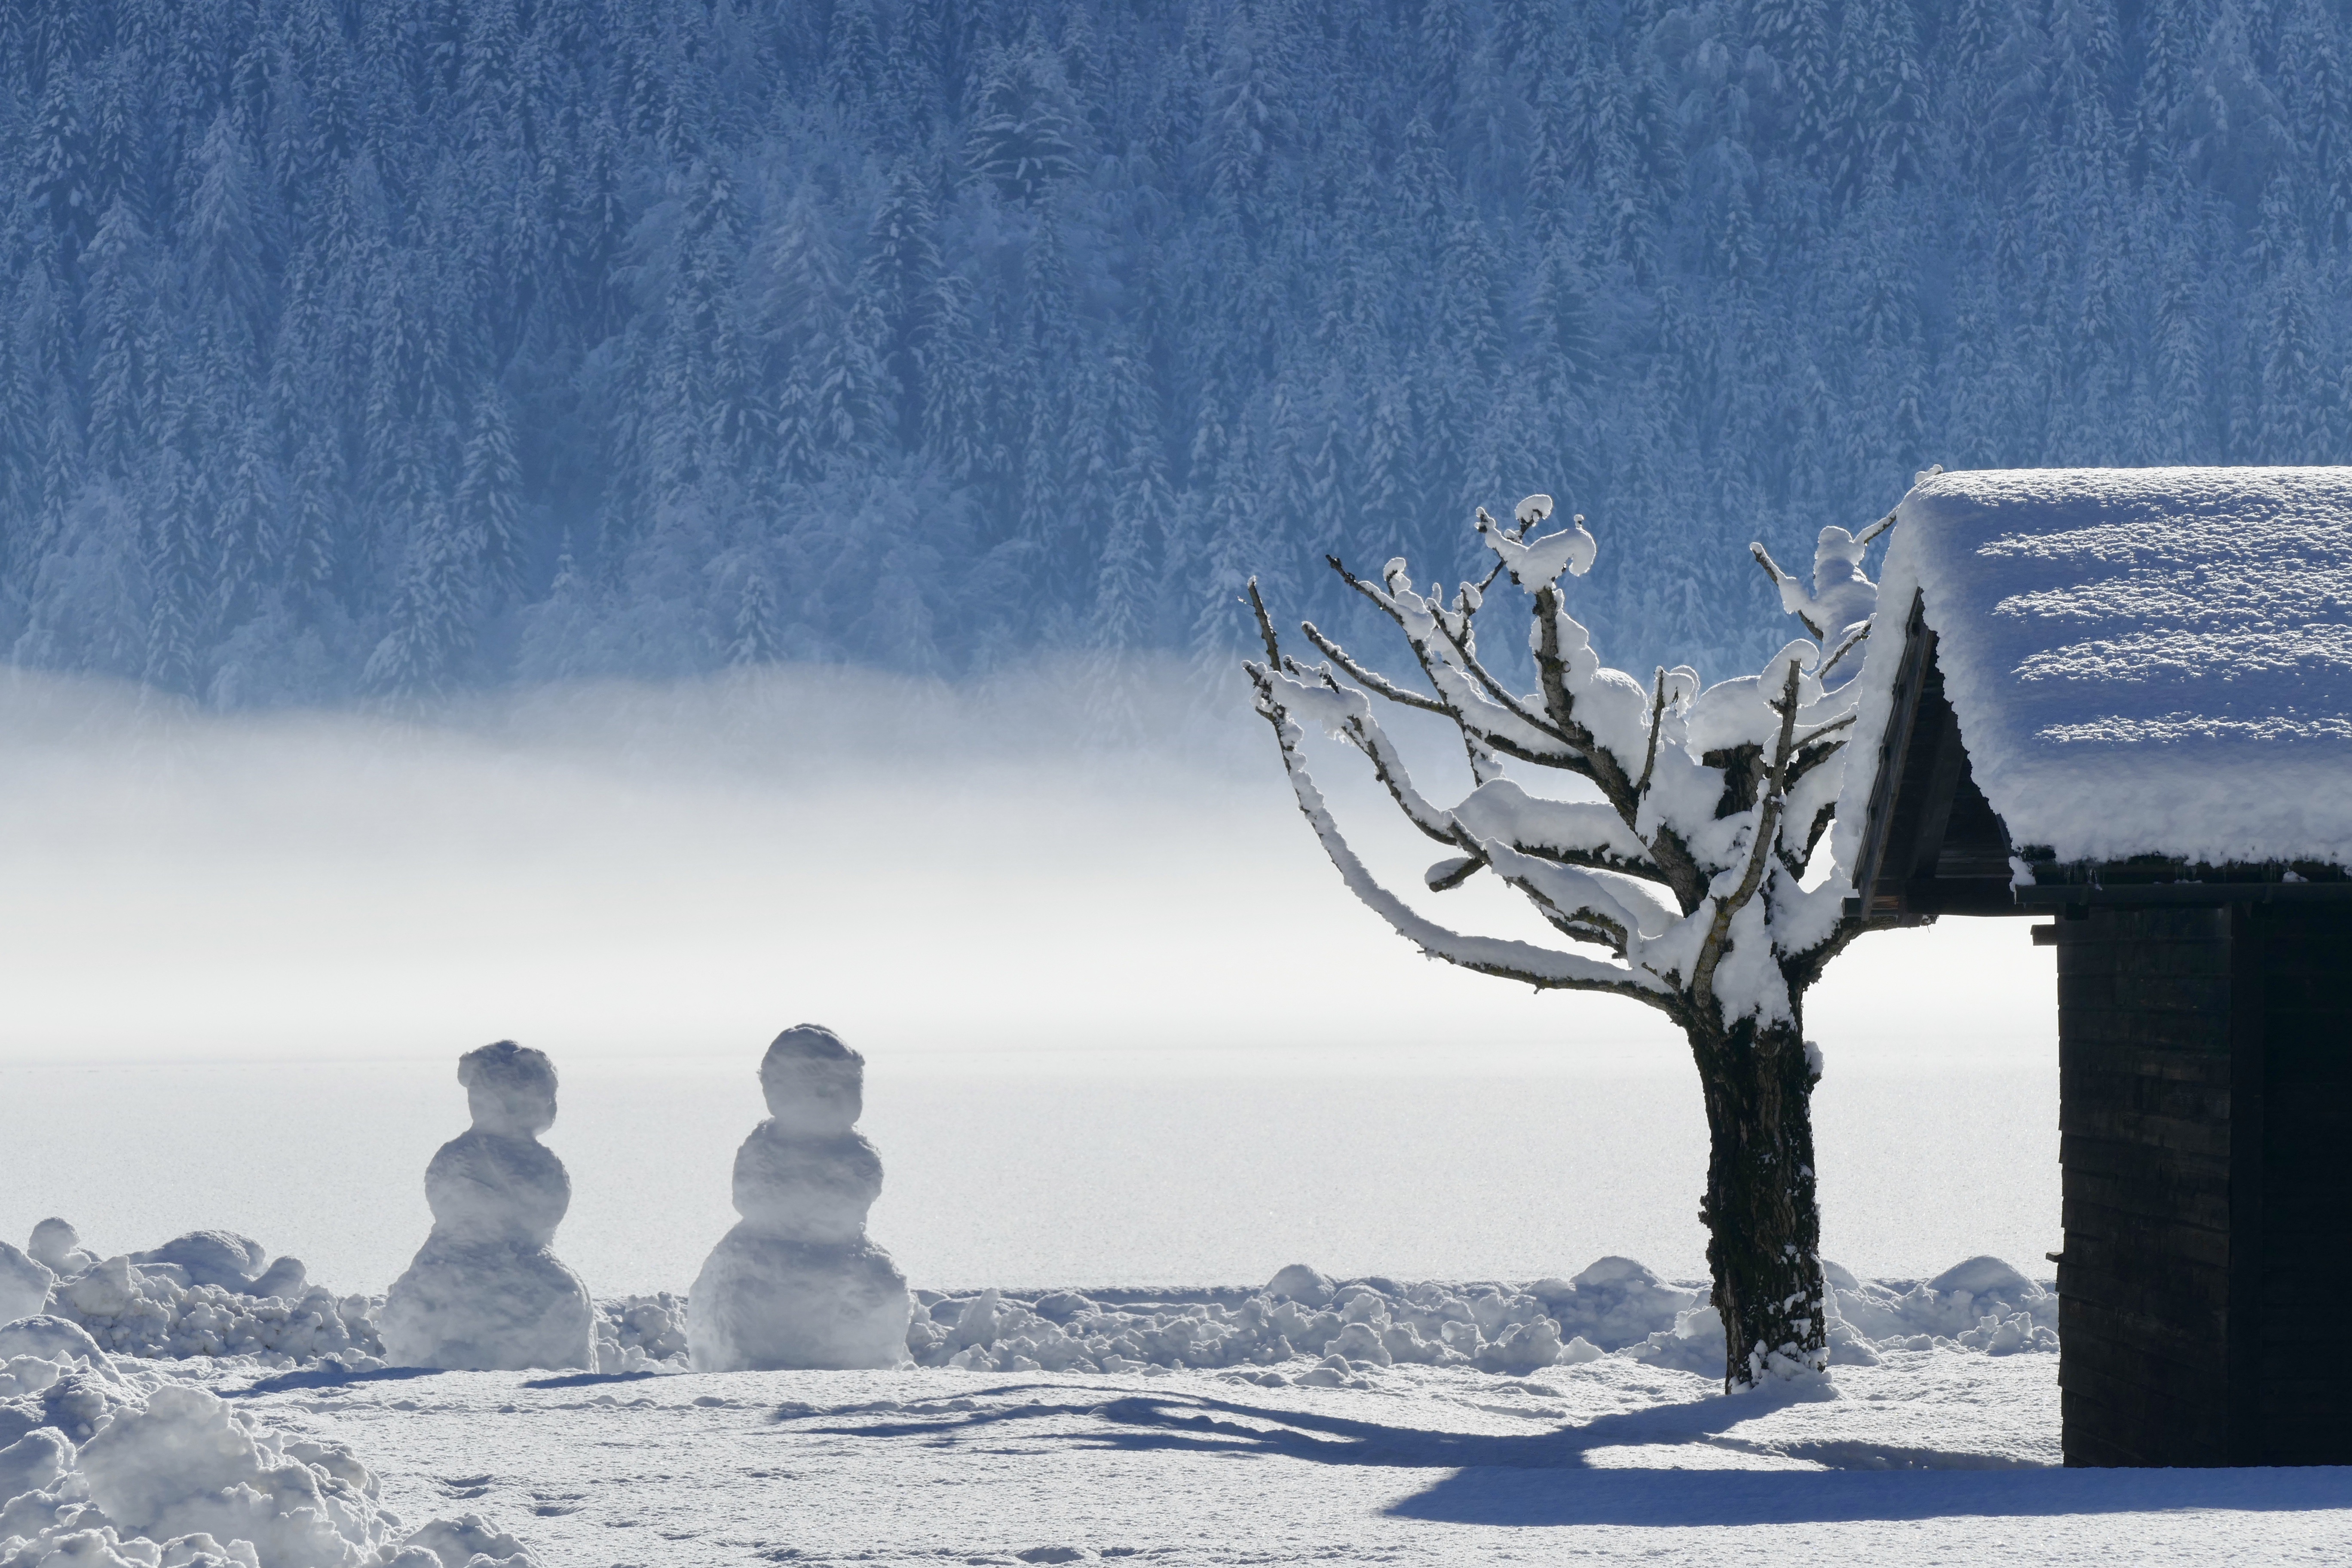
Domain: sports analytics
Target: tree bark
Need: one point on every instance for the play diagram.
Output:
(1763, 1225)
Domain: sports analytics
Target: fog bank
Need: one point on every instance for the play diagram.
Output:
(934, 869)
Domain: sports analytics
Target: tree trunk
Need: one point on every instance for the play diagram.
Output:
(1763, 1221)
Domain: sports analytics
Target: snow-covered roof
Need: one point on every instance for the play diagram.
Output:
(2141, 661)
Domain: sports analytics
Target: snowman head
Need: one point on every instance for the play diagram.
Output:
(814, 1082)
(511, 1089)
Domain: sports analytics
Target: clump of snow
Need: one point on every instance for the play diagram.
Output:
(218, 1257)
(467, 1541)
(642, 1333)
(105, 1468)
(23, 1283)
(487, 1290)
(1616, 1303)
(57, 1246)
(796, 1283)
(1301, 1283)
(2142, 660)
(1306, 1329)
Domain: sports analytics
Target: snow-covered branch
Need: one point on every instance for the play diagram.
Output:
(1712, 799)
(1511, 960)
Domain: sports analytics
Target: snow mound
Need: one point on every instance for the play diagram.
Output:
(217, 1257)
(102, 1468)
(2142, 660)
(1327, 1333)
(144, 1304)
(151, 1304)
(1616, 1303)
(642, 1333)
(23, 1283)
(1982, 1304)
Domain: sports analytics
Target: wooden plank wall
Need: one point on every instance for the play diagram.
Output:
(2144, 1068)
(2304, 974)
(2205, 1120)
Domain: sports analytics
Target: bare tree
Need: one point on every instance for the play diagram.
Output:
(1684, 866)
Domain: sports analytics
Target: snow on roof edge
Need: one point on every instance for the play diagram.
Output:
(2198, 624)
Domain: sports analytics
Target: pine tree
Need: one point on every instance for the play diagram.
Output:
(58, 166)
(1025, 134)
(1877, 132)
(487, 504)
(226, 280)
(174, 583)
(433, 611)
(853, 62)
(755, 640)
(899, 288)
(118, 313)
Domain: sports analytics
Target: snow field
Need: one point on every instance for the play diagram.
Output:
(1373, 1419)
(141, 1421)
(1935, 1455)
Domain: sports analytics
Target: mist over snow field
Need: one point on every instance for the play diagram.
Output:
(1126, 1035)
(1124, 1026)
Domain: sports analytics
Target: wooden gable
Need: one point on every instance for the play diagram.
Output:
(1931, 843)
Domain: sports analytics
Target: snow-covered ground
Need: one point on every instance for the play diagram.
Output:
(1935, 1456)
(1307, 1420)
(1432, 1125)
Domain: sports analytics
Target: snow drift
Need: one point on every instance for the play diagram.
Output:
(1616, 1307)
(104, 1468)
(1305, 1328)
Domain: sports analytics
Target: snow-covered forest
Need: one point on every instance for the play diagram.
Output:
(392, 347)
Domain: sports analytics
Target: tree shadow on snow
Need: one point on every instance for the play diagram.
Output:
(1550, 1477)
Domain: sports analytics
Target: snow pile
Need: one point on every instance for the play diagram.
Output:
(642, 1333)
(2153, 660)
(1348, 1329)
(1982, 1304)
(106, 1469)
(797, 1284)
(188, 1298)
(487, 1290)
(136, 1304)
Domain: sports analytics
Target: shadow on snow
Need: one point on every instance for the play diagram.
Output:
(1550, 1477)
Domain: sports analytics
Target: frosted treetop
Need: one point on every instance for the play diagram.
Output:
(2142, 660)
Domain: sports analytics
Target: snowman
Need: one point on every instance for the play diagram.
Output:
(484, 1291)
(797, 1284)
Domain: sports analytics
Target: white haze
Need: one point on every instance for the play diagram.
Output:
(1123, 1022)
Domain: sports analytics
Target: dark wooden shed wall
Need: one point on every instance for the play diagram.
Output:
(2205, 1061)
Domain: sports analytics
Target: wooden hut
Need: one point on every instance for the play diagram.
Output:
(2123, 698)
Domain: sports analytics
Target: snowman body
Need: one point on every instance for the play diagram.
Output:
(796, 1283)
(486, 1292)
